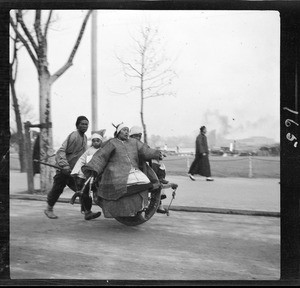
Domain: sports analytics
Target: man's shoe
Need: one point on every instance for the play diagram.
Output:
(162, 211)
(192, 177)
(50, 214)
(209, 179)
(91, 215)
(174, 186)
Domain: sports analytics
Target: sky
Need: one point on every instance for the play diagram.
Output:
(227, 65)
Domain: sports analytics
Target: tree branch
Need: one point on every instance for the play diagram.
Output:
(37, 27)
(14, 50)
(80, 36)
(159, 75)
(127, 74)
(23, 40)
(47, 24)
(130, 66)
(159, 95)
(60, 71)
(26, 31)
(153, 96)
(15, 61)
(120, 93)
(69, 63)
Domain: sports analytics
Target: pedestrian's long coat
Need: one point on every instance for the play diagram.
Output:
(201, 164)
(114, 161)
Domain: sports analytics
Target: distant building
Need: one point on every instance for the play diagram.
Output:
(232, 147)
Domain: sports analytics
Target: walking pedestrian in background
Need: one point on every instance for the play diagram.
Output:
(201, 164)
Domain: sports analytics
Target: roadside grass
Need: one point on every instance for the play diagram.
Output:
(262, 167)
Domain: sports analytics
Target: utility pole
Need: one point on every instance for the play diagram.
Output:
(94, 72)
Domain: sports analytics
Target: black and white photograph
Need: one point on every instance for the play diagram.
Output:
(152, 146)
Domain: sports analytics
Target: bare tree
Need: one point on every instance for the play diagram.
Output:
(13, 71)
(36, 44)
(150, 68)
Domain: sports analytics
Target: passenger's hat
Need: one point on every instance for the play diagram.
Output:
(96, 135)
(135, 130)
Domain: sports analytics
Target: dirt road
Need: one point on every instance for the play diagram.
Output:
(182, 246)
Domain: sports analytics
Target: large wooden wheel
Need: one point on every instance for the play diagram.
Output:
(147, 213)
(153, 202)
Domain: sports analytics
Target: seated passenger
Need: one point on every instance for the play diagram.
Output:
(87, 156)
(117, 162)
(158, 167)
(85, 199)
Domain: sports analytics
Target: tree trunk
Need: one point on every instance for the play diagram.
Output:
(21, 140)
(142, 98)
(46, 138)
(142, 113)
(37, 48)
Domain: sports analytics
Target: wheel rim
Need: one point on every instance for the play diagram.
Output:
(145, 215)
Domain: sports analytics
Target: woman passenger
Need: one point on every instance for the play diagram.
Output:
(118, 164)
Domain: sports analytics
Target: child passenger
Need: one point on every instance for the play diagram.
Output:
(87, 155)
(78, 174)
